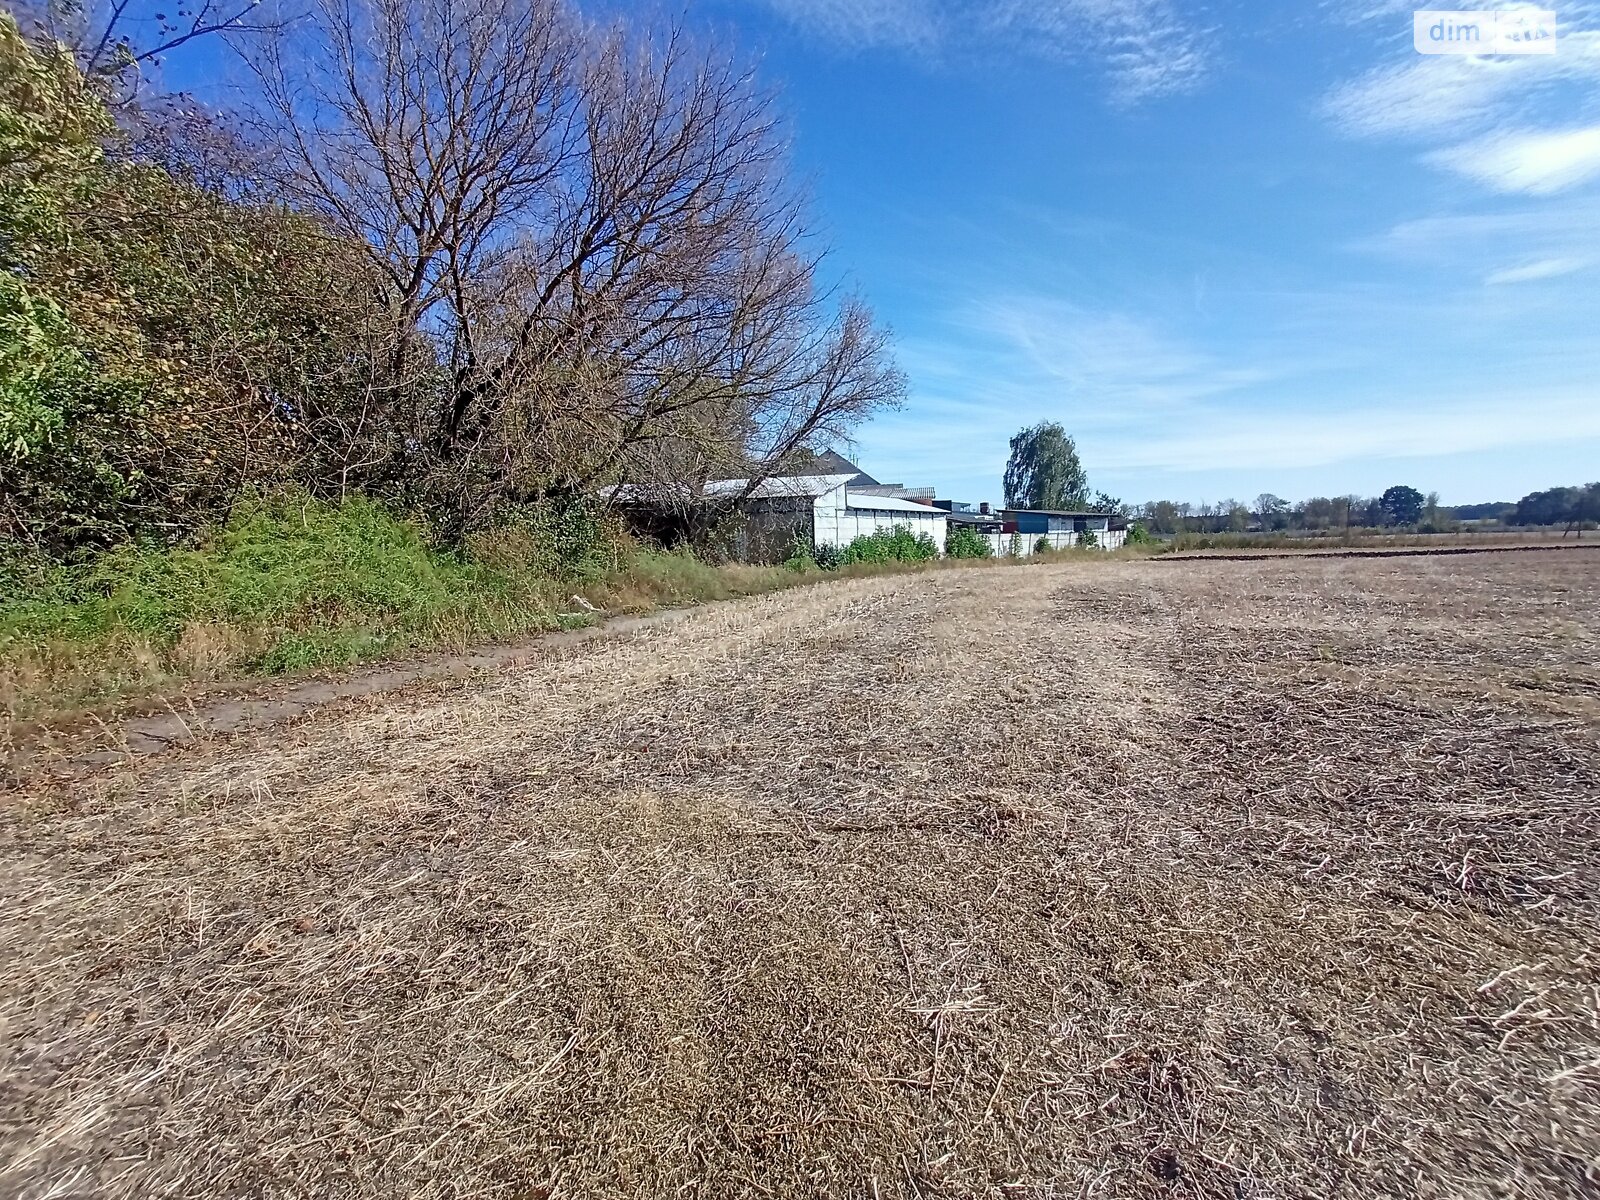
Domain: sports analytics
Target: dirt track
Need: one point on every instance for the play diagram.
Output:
(1234, 880)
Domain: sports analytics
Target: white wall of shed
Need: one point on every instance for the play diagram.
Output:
(834, 523)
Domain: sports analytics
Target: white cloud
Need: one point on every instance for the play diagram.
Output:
(1560, 232)
(1539, 164)
(1544, 268)
(1110, 359)
(865, 24)
(1151, 50)
(1428, 96)
(1147, 48)
(1359, 11)
(1435, 238)
(1424, 427)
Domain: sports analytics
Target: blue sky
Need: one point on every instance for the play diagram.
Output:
(1232, 247)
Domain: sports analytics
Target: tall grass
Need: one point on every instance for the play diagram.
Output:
(289, 583)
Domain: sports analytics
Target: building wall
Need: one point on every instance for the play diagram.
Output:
(1038, 522)
(836, 524)
(1108, 539)
(769, 535)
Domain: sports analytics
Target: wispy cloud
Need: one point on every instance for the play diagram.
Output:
(1108, 360)
(1539, 164)
(1425, 427)
(1358, 11)
(1428, 96)
(866, 24)
(1558, 238)
(1147, 47)
(1544, 268)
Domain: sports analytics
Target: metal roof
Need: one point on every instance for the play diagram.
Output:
(1056, 512)
(890, 504)
(837, 464)
(779, 487)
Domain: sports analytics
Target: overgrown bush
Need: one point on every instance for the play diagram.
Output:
(827, 557)
(280, 561)
(802, 556)
(897, 544)
(291, 582)
(964, 542)
(1138, 535)
(161, 348)
(1089, 539)
(1042, 546)
(558, 538)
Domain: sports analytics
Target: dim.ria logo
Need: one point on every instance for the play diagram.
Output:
(1471, 31)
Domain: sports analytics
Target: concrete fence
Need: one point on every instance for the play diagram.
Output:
(1027, 543)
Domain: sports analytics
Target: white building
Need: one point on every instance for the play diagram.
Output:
(1062, 530)
(825, 509)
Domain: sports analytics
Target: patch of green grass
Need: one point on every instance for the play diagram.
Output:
(288, 584)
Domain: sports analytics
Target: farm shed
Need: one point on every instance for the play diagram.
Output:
(842, 514)
(1063, 529)
(763, 522)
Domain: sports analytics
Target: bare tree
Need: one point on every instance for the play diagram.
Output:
(586, 233)
(114, 41)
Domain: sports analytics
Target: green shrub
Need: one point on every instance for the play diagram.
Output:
(1089, 539)
(802, 556)
(1042, 546)
(1138, 535)
(278, 558)
(964, 542)
(557, 538)
(827, 557)
(898, 544)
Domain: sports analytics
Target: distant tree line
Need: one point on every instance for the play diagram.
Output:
(465, 258)
(1399, 507)
(1557, 506)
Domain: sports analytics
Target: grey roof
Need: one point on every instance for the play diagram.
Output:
(779, 486)
(890, 504)
(1057, 512)
(831, 463)
(795, 487)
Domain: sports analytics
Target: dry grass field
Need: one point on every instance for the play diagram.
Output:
(1122, 879)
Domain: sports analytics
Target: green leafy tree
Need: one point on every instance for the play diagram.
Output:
(1105, 502)
(1401, 505)
(1272, 511)
(1558, 506)
(962, 542)
(162, 347)
(57, 404)
(1044, 470)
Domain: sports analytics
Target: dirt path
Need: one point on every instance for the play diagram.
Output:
(160, 724)
(1111, 880)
